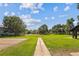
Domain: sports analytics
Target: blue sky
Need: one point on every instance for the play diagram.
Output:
(36, 14)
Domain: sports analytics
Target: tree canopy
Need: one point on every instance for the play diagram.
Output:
(43, 29)
(69, 24)
(59, 29)
(14, 24)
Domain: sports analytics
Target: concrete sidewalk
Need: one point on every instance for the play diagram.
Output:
(41, 49)
(75, 53)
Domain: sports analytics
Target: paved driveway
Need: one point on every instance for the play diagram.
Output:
(6, 42)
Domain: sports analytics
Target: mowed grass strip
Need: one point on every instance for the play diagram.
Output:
(61, 43)
(25, 48)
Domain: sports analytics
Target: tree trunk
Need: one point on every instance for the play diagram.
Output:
(74, 33)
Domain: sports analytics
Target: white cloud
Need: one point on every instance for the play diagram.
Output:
(68, 3)
(31, 5)
(55, 8)
(25, 16)
(34, 7)
(46, 18)
(6, 13)
(26, 5)
(12, 13)
(40, 6)
(29, 20)
(5, 4)
(53, 17)
(66, 8)
(62, 15)
(35, 11)
(34, 21)
(1, 4)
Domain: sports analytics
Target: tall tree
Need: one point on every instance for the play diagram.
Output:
(14, 24)
(43, 29)
(55, 29)
(78, 20)
(78, 15)
(70, 24)
(59, 29)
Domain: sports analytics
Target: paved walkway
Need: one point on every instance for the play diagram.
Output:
(75, 53)
(41, 49)
(6, 42)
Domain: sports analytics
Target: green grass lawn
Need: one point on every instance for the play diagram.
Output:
(57, 45)
(61, 44)
(25, 48)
